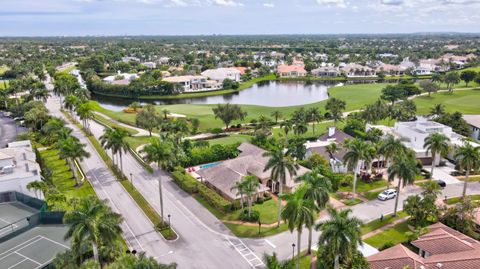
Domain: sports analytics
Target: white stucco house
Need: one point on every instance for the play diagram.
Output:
(474, 122)
(193, 83)
(221, 74)
(18, 167)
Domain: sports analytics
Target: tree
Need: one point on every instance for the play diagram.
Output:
(85, 113)
(461, 217)
(375, 112)
(135, 106)
(300, 128)
(428, 86)
(228, 113)
(468, 76)
(131, 261)
(451, 79)
(317, 189)
(165, 113)
(114, 139)
(94, 222)
(71, 149)
(263, 125)
(436, 143)
(335, 106)
(279, 164)
(287, 126)
(71, 102)
(405, 111)
(468, 158)
(392, 93)
(437, 78)
(276, 115)
(314, 116)
(239, 186)
(437, 110)
(404, 167)
(331, 149)
(250, 187)
(147, 118)
(297, 213)
(65, 84)
(272, 262)
(37, 185)
(357, 151)
(340, 234)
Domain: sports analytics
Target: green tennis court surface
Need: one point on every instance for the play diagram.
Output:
(33, 249)
(13, 216)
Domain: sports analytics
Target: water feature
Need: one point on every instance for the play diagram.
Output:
(268, 93)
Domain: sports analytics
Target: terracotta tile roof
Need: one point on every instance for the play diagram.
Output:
(290, 68)
(396, 257)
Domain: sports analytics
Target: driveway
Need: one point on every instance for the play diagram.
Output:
(443, 173)
(8, 130)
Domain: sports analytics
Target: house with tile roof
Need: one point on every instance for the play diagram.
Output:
(441, 248)
(295, 70)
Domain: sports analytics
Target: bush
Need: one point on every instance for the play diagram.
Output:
(214, 199)
(201, 155)
(347, 180)
(388, 244)
(254, 216)
(216, 131)
(185, 181)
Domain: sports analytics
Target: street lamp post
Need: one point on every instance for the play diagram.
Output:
(293, 251)
(131, 179)
(168, 220)
(259, 225)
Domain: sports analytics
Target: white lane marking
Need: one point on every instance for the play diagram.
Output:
(55, 242)
(270, 243)
(244, 247)
(27, 258)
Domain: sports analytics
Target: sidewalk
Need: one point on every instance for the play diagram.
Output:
(141, 132)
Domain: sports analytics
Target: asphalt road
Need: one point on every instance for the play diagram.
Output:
(8, 130)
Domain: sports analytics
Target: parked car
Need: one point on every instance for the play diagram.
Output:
(387, 194)
(441, 183)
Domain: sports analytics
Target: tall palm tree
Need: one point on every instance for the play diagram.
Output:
(314, 115)
(331, 149)
(272, 262)
(276, 115)
(280, 163)
(106, 140)
(357, 153)
(71, 102)
(93, 221)
(287, 126)
(239, 186)
(119, 143)
(71, 149)
(85, 113)
(263, 125)
(162, 152)
(300, 127)
(340, 234)
(468, 157)
(436, 143)
(317, 190)
(250, 187)
(437, 110)
(37, 186)
(404, 167)
(297, 213)
(389, 147)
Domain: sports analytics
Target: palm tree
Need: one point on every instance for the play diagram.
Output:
(94, 222)
(119, 143)
(106, 140)
(437, 143)
(263, 125)
(162, 152)
(317, 190)
(41, 94)
(272, 262)
(300, 127)
(340, 233)
(389, 147)
(239, 186)
(468, 157)
(357, 151)
(165, 113)
(85, 113)
(331, 149)
(71, 149)
(38, 185)
(276, 115)
(135, 106)
(404, 167)
(437, 110)
(287, 126)
(71, 102)
(298, 212)
(314, 115)
(280, 163)
(250, 187)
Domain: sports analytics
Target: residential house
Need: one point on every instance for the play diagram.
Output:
(441, 248)
(193, 83)
(291, 71)
(127, 59)
(221, 74)
(18, 167)
(223, 175)
(474, 122)
(150, 65)
(392, 70)
(326, 71)
(242, 69)
(320, 147)
(356, 70)
(121, 78)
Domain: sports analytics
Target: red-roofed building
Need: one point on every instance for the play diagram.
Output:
(291, 71)
(442, 248)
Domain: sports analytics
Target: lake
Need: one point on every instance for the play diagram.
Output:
(267, 93)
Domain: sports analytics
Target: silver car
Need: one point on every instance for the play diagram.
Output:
(387, 194)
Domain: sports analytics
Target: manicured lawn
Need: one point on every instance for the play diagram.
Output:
(454, 200)
(231, 139)
(470, 178)
(465, 101)
(371, 195)
(395, 235)
(319, 130)
(357, 95)
(267, 210)
(377, 224)
(107, 122)
(252, 231)
(62, 176)
(136, 141)
(364, 187)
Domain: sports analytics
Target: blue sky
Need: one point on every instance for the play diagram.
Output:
(190, 17)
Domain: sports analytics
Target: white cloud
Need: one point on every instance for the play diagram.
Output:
(268, 5)
(338, 3)
(392, 2)
(229, 3)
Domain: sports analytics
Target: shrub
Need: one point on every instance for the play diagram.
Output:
(185, 181)
(254, 216)
(216, 131)
(214, 199)
(388, 244)
(201, 155)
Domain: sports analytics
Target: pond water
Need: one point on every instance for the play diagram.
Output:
(268, 93)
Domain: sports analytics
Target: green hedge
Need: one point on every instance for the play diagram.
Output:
(191, 185)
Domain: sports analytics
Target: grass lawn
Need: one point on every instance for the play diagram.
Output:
(136, 141)
(3, 84)
(395, 235)
(62, 176)
(231, 139)
(319, 130)
(454, 200)
(376, 224)
(470, 178)
(465, 101)
(252, 231)
(267, 210)
(104, 121)
(364, 187)
(371, 195)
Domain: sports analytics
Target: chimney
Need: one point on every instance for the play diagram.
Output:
(331, 131)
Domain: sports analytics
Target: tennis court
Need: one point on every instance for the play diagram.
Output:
(33, 249)
(13, 216)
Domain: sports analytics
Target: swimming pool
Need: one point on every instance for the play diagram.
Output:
(208, 165)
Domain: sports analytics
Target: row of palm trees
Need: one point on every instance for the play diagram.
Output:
(247, 187)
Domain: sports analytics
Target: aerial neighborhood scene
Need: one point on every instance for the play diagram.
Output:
(211, 134)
